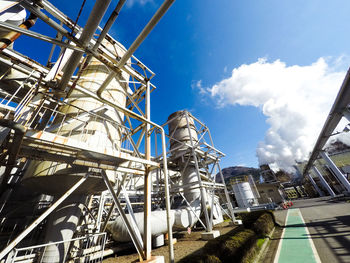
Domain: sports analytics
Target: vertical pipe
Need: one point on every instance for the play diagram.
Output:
(106, 28)
(315, 185)
(100, 212)
(167, 198)
(324, 182)
(336, 171)
(203, 192)
(147, 239)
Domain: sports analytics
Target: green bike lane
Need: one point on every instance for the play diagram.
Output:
(295, 245)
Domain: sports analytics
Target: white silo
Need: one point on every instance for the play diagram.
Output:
(244, 194)
(99, 130)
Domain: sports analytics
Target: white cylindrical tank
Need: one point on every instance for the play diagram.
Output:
(55, 178)
(244, 194)
(178, 129)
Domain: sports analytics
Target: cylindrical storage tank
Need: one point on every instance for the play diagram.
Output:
(178, 129)
(244, 194)
(55, 178)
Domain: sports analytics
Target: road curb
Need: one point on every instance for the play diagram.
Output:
(264, 246)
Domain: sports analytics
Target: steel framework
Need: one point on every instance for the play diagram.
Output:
(32, 120)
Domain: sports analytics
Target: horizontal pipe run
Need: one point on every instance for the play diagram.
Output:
(25, 31)
(10, 37)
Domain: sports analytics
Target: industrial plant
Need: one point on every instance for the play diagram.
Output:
(85, 171)
(83, 167)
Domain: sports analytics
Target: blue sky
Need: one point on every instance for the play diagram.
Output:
(200, 41)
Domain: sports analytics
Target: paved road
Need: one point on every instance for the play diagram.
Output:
(328, 224)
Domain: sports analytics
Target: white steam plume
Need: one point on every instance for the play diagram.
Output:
(295, 100)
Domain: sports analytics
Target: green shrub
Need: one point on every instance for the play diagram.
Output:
(263, 225)
(200, 258)
(238, 246)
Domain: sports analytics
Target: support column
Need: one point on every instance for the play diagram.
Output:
(202, 189)
(147, 239)
(315, 185)
(324, 182)
(336, 171)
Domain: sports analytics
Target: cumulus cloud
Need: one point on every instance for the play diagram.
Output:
(295, 100)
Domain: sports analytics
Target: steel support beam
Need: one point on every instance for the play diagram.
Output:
(323, 181)
(134, 237)
(318, 190)
(336, 171)
(140, 38)
(167, 197)
(147, 239)
(203, 192)
(229, 204)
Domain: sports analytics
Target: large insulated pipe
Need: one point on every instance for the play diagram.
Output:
(15, 16)
(95, 18)
(140, 38)
(184, 216)
(54, 177)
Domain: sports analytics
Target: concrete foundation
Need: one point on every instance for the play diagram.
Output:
(155, 259)
(210, 235)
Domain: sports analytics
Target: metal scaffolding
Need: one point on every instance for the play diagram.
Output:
(32, 121)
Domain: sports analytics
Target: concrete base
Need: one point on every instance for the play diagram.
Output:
(210, 235)
(155, 259)
(174, 241)
(237, 222)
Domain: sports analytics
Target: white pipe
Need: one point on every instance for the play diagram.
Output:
(141, 37)
(95, 17)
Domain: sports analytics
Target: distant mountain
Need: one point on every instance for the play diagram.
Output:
(231, 172)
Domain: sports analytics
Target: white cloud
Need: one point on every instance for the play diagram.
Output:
(130, 3)
(295, 100)
(197, 85)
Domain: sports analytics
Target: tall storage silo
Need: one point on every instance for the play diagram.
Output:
(74, 123)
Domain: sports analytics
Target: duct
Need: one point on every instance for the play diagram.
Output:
(157, 219)
(183, 216)
(63, 223)
(10, 37)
